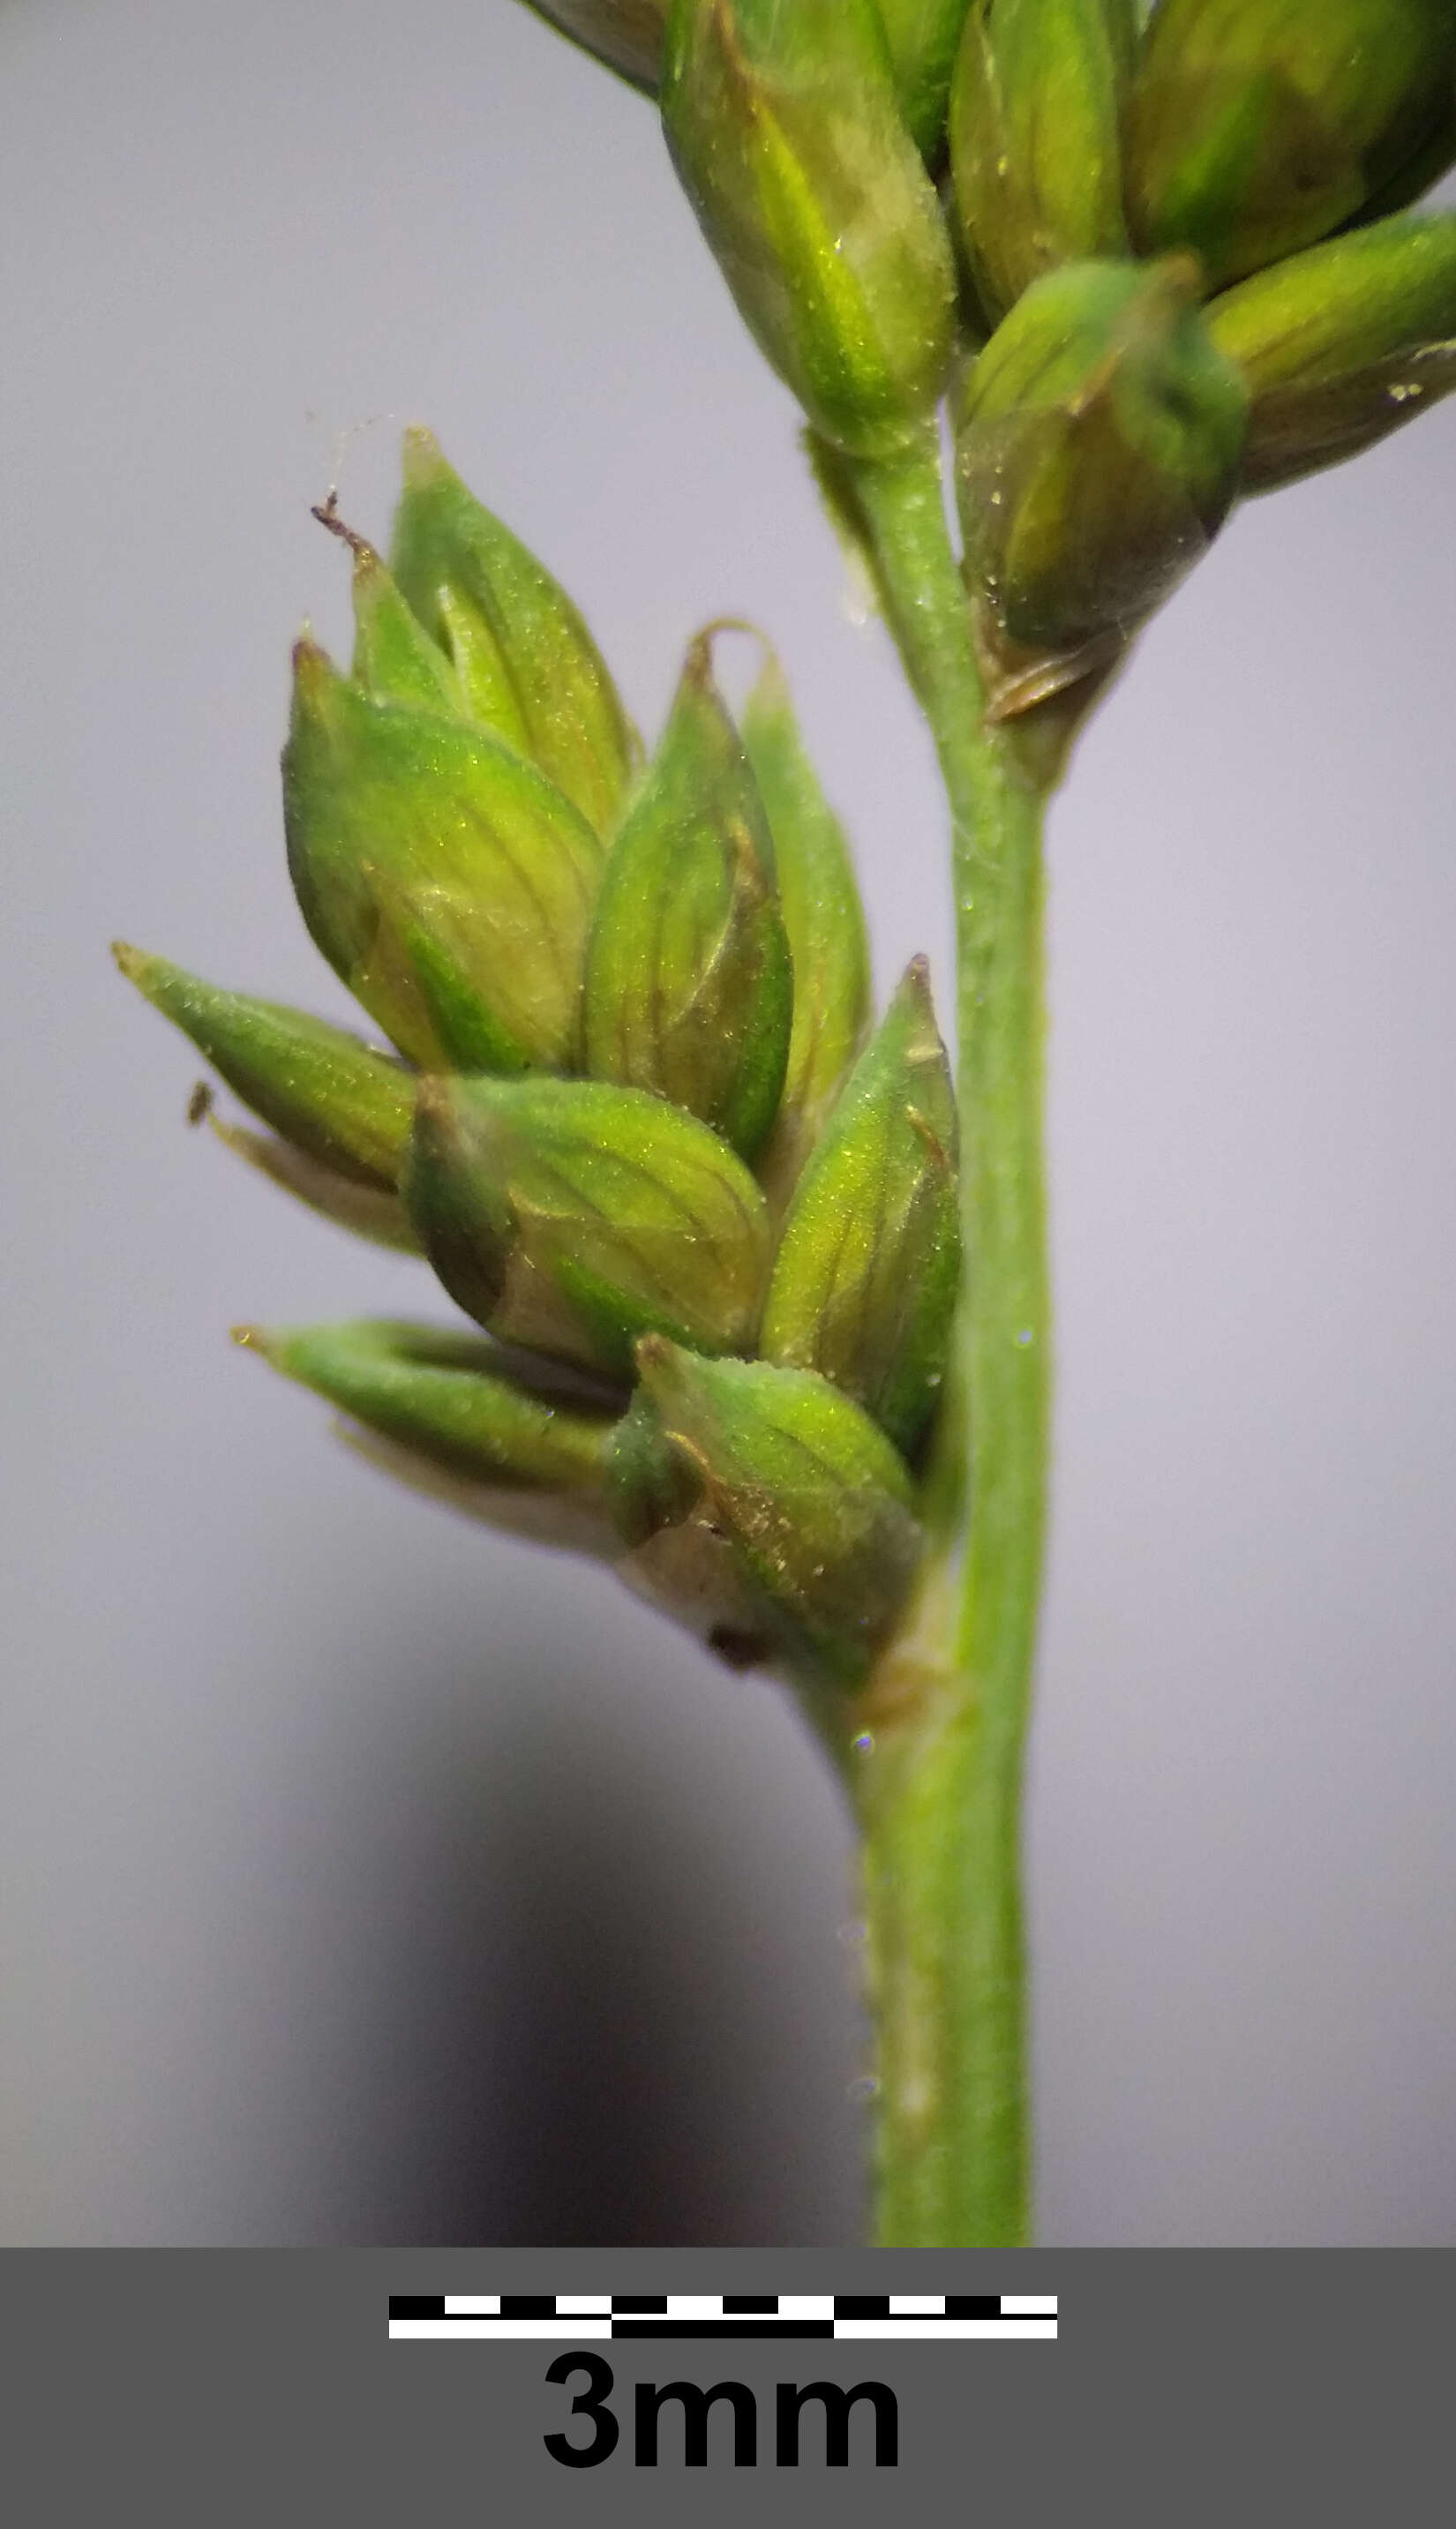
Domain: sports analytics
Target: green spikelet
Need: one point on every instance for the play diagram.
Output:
(813, 1504)
(823, 921)
(864, 1282)
(1036, 145)
(1341, 345)
(1257, 127)
(787, 133)
(689, 982)
(570, 1216)
(526, 663)
(1097, 450)
(444, 879)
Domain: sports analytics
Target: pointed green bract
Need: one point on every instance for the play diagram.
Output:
(332, 1096)
(571, 1216)
(864, 1282)
(1257, 127)
(447, 1396)
(625, 34)
(1036, 149)
(823, 921)
(444, 878)
(787, 133)
(814, 1504)
(394, 661)
(1097, 449)
(479, 670)
(527, 665)
(1342, 344)
(922, 36)
(689, 983)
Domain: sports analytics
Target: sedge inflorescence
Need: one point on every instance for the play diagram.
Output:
(628, 1106)
(630, 1109)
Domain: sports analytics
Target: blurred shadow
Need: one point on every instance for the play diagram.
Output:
(597, 2027)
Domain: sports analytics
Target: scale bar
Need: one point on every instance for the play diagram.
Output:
(585, 2318)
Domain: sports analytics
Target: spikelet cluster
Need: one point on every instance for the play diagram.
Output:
(629, 1107)
(1158, 256)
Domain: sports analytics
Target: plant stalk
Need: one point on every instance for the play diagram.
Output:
(938, 1764)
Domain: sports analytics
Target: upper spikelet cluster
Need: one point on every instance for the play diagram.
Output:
(1158, 256)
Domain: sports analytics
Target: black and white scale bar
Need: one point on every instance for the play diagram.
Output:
(580, 2318)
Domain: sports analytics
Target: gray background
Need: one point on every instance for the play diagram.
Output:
(364, 1878)
(214, 2379)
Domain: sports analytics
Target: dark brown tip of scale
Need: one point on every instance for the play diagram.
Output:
(697, 665)
(311, 662)
(914, 985)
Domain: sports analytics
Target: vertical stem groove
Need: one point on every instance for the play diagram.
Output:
(938, 1786)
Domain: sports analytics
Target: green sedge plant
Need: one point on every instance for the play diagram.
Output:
(759, 1284)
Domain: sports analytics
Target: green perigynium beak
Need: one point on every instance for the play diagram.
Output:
(1343, 344)
(344, 1106)
(689, 984)
(527, 667)
(1257, 127)
(825, 925)
(1035, 145)
(570, 1217)
(453, 1417)
(787, 133)
(447, 1398)
(394, 661)
(864, 1282)
(1097, 450)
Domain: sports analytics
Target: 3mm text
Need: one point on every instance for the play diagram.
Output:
(789, 2402)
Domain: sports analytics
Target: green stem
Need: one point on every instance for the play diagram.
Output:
(938, 1783)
